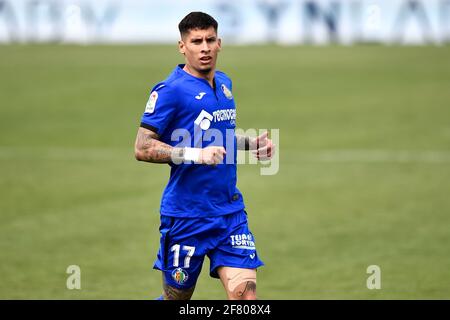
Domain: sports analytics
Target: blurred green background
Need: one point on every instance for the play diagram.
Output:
(364, 173)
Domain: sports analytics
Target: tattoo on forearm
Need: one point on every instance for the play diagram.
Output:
(171, 293)
(150, 149)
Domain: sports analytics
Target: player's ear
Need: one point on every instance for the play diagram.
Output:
(181, 46)
(219, 43)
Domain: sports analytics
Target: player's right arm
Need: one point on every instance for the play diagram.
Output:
(161, 108)
(149, 148)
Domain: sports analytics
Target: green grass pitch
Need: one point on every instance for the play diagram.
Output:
(364, 174)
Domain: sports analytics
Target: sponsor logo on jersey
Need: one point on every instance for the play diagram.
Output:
(204, 119)
(224, 115)
(179, 275)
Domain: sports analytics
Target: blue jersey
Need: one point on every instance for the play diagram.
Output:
(185, 111)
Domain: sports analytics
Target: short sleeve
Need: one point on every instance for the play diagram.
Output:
(159, 109)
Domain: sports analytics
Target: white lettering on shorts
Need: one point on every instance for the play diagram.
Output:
(243, 241)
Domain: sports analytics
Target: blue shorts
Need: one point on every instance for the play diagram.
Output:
(226, 240)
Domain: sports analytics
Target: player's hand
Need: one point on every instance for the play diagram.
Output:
(265, 149)
(212, 155)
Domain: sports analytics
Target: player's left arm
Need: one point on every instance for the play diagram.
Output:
(261, 146)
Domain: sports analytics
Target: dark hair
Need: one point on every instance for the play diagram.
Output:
(197, 20)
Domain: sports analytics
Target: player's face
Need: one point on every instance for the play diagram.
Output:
(200, 48)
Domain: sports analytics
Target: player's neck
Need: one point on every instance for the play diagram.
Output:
(208, 76)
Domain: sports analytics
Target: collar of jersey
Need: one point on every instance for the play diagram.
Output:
(184, 73)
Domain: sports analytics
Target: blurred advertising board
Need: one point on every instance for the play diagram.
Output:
(240, 22)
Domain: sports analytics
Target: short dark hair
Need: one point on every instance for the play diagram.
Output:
(197, 20)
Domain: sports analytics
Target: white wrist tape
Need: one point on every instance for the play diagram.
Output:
(192, 154)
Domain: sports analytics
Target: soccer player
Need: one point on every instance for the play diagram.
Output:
(187, 123)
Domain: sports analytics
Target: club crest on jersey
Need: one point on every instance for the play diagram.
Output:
(226, 92)
(150, 107)
(179, 275)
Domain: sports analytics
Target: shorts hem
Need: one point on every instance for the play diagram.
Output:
(213, 273)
